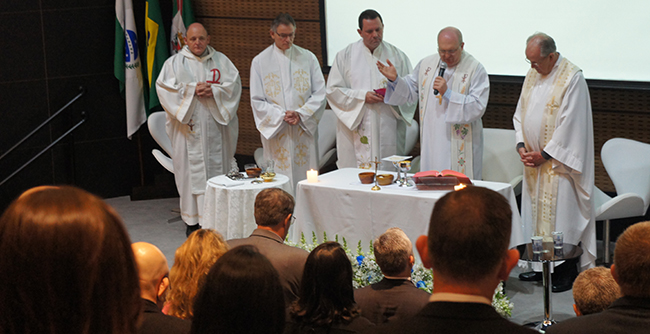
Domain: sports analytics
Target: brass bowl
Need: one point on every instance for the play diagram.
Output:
(268, 177)
(367, 177)
(385, 179)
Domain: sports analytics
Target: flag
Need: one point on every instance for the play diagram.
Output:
(128, 67)
(183, 17)
(157, 51)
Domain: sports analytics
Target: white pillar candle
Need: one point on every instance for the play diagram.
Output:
(312, 176)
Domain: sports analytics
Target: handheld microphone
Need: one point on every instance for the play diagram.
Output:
(443, 67)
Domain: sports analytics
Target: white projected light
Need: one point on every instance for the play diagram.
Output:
(608, 40)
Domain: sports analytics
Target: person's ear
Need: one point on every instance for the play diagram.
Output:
(411, 260)
(271, 33)
(359, 31)
(576, 310)
(614, 274)
(423, 248)
(162, 287)
(509, 261)
(207, 40)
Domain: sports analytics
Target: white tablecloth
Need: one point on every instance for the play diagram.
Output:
(230, 209)
(340, 205)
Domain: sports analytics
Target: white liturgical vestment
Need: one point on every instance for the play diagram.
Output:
(451, 130)
(365, 131)
(554, 115)
(281, 81)
(203, 130)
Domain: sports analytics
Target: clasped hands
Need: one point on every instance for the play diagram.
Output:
(531, 159)
(390, 72)
(203, 89)
(291, 117)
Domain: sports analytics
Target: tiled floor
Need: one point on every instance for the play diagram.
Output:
(149, 221)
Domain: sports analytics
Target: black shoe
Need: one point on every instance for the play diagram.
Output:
(531, 276)
(191, 228)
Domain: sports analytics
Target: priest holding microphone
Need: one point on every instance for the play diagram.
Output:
(452, 102)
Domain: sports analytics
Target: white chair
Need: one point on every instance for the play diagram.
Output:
(326, 141)
(156, 124)
(501, 162)
(628, 164)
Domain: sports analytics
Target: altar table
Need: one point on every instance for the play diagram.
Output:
(340, 205)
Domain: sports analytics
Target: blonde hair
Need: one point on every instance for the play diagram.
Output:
(192, 262)
(594, 290)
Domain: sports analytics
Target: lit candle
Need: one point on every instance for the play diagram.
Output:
(312, 176)
(459, 187)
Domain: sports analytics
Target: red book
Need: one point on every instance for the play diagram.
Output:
(462, 178)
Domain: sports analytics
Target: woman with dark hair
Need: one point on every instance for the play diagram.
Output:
(66, 266)
(192, 262)
(241, 295)
(326, 300)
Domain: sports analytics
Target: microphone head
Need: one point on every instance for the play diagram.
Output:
(443, 65)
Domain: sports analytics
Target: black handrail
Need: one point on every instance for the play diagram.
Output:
(83, 115)
(82, 91)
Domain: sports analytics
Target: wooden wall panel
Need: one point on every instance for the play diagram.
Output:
(258, 9)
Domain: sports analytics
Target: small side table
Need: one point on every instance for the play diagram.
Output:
(548, 256)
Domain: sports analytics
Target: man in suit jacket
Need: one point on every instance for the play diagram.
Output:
(154, 282)
(631, 270)
(273, 214)
(394, 297)
(467, 247)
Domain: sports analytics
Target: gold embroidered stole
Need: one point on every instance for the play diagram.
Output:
(461, 134)
(543, 181)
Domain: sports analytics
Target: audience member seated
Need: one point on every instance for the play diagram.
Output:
(192, 261)
(66, 265)
(594, 290)
(631, 270)
(154, 284)
(395, 296)
(326, 300)
(241, 294)
(273, 213)
(467, 247)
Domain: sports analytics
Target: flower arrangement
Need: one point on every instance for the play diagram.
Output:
(366, 271)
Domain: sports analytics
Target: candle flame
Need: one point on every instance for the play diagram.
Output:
(459, 187)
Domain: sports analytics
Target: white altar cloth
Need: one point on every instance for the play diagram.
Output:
(340, 205)
(230, 210)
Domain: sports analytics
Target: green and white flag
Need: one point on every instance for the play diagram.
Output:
(128, 67)
(157, 51)
(183, 17)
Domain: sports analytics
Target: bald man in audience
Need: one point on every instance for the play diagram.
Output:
(154, 283)
(594, 290)
(631, 270)
(395, 296)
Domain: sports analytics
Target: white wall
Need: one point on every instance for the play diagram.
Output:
(609, 40)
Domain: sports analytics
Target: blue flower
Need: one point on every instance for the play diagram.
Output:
(360, 259)
(420, 285)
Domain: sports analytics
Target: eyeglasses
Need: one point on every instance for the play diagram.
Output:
(293, 218)
(534, 63)
(448, 52)
(283, 36)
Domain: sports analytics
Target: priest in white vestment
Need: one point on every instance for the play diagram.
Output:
(451, 105)
(288, 98)
(367, 127)
(199, 88)
(554, 133)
